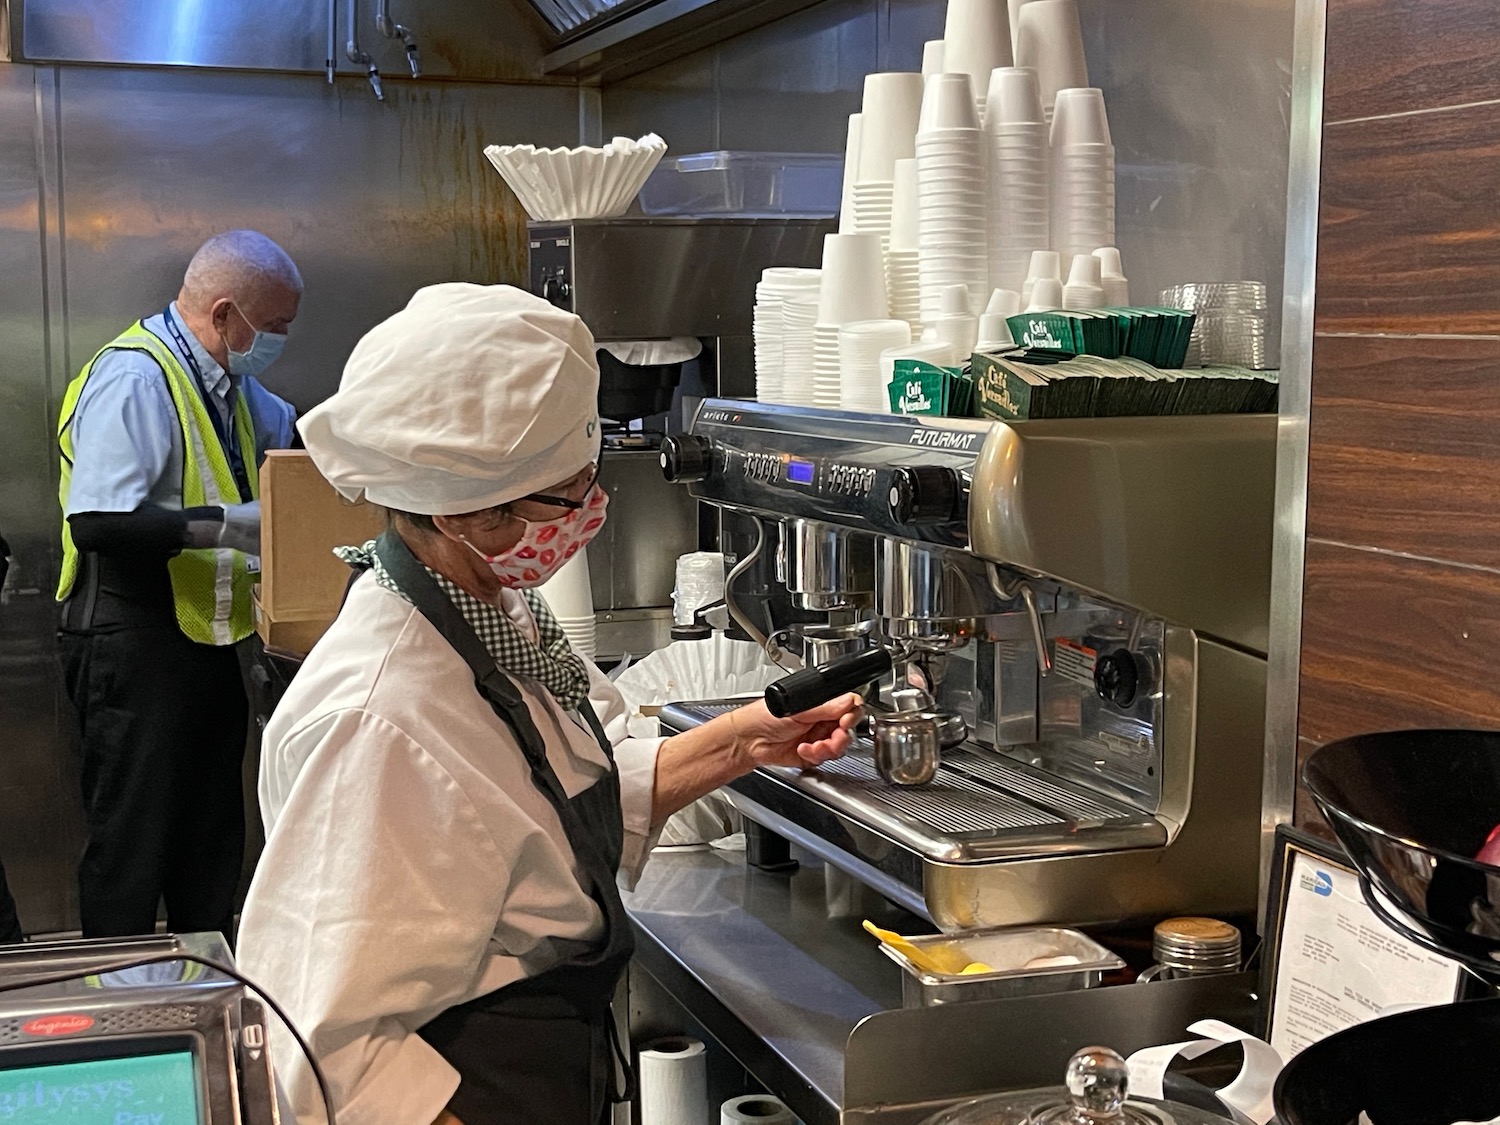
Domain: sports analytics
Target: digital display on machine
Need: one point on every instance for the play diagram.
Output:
(800, 472)
(160, 1089)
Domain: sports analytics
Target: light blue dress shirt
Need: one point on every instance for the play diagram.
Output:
(127, 441)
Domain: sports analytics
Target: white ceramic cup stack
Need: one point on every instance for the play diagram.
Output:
(1049, 40)
(777, 285)
(903, 277)
(853, 143)
(1083, 171)
(976, 40)
(888, 129)
(799, 316)
(861, 345)
(570, 596)
(852, 288)
(1045, 265)
(951, 199)
(1018, 167)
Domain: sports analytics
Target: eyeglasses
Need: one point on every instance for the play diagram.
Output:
(586, 480)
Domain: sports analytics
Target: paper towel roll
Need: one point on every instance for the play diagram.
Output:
(673, 1075)
(755, 1109)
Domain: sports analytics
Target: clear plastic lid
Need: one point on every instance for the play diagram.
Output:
(1096, 1091)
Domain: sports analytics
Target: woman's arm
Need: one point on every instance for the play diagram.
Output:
(701, 760)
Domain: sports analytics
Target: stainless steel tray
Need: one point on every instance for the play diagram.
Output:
(980, 808)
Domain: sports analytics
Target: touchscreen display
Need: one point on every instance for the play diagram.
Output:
(135, 1090)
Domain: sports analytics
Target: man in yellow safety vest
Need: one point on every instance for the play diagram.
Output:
(161, 436)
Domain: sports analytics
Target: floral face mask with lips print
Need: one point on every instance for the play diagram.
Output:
(547, 545)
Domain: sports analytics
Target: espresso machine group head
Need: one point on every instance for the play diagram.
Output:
(1079, 608)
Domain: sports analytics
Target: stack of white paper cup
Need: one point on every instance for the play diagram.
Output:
(1083, 171)
(777, 286)
(570, 596)
(1083, 290)
(861, 345)
(799, 317)
(951, 197)
(903, 278)
(700, 582)
(1019, 170)
(976, 40)
(852, 146)
(888, 129)
(853, 288)
(1049, 40)
(935, 352)
(1112, 278)
(1045, 265)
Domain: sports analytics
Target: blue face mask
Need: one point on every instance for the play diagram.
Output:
(263, 351)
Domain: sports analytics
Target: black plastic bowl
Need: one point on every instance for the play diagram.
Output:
(1412, 808)
(1431, 1067)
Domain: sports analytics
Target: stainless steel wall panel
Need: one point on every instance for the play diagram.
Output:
(791, 85)
(675, 101)
(495, 40)
(372, 200)
(39, 833)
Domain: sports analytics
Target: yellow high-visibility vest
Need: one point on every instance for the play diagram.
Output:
(210, 587)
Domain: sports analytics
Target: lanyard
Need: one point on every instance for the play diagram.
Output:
(224, 428)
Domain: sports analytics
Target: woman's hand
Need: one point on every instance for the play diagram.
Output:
(698, 761)
(804, 740)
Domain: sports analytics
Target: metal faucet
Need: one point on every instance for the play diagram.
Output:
(357, 56)
(393, 30)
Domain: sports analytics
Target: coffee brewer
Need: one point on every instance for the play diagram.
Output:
(1077, 608)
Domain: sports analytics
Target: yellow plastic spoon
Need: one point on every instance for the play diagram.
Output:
(946, 963)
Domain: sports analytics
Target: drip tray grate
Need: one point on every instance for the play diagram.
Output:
(950, 802)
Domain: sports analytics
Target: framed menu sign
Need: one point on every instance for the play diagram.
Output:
(1329, 961)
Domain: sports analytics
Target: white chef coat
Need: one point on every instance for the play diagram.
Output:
(411, 864)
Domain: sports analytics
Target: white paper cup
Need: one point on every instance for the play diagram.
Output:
(936, 352)
(568, 593)
(1049, 39)
(1079, 118)
(851, 171)
(853, 281)
(932, 57)
(905, 229)
(1048, 291)
(1014, 98)
(888, 126)
(976, 38)
(947, 103)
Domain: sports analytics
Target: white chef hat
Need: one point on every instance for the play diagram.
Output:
(471, 396)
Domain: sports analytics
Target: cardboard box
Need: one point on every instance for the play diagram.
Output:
(302, 520)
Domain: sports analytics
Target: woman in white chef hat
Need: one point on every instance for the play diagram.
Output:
(447, 788)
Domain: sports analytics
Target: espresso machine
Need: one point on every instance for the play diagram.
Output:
(639, 283)
(1080, 609)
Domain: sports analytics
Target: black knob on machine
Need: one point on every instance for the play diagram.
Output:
(927, 494)
(686, 457)
(555, 288)
(1117, 676)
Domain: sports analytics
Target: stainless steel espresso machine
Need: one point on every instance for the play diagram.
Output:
(1084, 602)
(639, 280)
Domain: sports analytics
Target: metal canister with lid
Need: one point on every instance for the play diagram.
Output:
(1193, 947)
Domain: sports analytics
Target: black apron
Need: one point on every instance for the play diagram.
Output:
(543, 1048)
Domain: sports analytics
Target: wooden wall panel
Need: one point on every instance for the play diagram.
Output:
(1395, 56)
(1409, 224)
(1390, 643)
(1405, 446)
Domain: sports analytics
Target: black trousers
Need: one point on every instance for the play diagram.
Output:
(163, 738)
(10, 925)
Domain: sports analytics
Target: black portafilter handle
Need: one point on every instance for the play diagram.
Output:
(804, 690)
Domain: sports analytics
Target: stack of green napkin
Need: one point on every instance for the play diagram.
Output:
(1155, 336)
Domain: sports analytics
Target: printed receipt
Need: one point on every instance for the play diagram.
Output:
(1340, 965)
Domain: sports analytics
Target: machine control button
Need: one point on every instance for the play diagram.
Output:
(686, 457)
(1117, 676)
(927, 494)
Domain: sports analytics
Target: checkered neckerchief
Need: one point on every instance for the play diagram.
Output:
(551, 663)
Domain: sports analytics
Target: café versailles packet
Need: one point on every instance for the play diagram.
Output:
(1033, 385)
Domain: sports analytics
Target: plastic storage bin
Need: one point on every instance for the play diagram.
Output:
(746, 184)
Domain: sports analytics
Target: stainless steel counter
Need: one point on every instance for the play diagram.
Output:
(809, 1006)
(756, 958)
